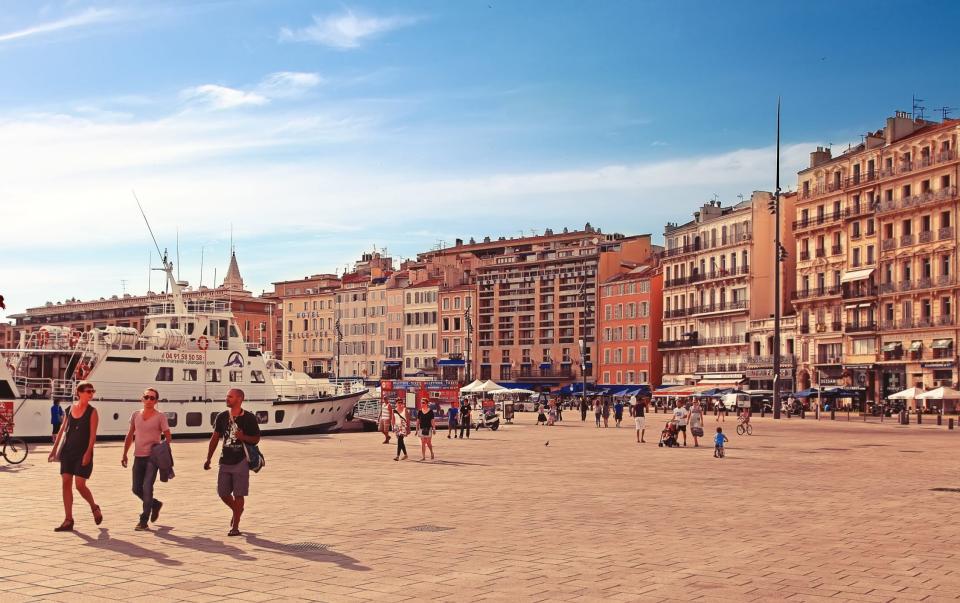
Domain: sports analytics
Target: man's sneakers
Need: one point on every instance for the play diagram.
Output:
(155, 511)
(142, 527)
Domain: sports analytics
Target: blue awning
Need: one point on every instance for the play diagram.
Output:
(451, 362)
(546, 365)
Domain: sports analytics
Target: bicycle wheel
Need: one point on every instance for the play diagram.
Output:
(749, 429)
(740, 429)
(15, 451)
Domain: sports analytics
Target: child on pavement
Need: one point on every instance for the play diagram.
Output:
(718, 441)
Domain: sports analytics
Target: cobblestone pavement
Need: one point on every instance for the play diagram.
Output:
(800, 511)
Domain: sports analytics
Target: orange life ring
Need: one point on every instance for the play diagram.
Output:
(203, 343)
(42, 337)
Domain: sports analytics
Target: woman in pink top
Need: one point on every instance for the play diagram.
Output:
(146, 427)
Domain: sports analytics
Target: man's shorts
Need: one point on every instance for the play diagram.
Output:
(640, 422)
(682, 428)
(234, 480)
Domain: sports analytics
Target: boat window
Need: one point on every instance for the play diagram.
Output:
(161, 325)
(189, 374)
(194, 419)
(233, 331)
(278, 416)
(262, 416)
(213, 375)
(171, 418)
(257, 377)
(236, 376)
(175, 323)
(165, 373)
(190, 327)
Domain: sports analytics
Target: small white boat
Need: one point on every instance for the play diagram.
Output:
(192, 353)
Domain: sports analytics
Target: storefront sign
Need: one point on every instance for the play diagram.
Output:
(6, 414)
(785, 373)
(829, 381)
(937, 364)
(862, 367)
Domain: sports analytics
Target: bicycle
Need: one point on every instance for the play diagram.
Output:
(14, 450)
(744, 426)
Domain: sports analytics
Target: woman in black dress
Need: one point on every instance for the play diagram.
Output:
(78, 434)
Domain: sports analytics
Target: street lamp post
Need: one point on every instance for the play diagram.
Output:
(583, 337)
(779, 257)
(339, 335)
(468, 322)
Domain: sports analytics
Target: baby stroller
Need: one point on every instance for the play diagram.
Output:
(668, 437)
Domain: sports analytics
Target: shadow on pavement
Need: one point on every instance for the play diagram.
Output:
(103, 541)
(203, 544)
(454, 463)
(325, 554)
(13, 468)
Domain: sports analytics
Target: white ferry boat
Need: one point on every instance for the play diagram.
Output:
(191, 352)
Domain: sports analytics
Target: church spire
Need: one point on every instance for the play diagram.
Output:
(233, 280)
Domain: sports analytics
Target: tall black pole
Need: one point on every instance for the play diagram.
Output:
(339, 336)
(778, 259)
(583, 340)
(468, 322)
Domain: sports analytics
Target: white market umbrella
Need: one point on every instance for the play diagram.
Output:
(941, 393)
(513, 391)
(472, 387)
(488, 387)
(908, 394)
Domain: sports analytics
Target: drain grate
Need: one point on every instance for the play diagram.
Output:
(945, 489)
(307, 546)
(429, 528)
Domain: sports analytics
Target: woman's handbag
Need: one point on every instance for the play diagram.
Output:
(697, 431)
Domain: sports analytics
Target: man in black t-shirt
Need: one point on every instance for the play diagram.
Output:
(236, 427)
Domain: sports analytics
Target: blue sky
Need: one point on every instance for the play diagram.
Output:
(321, 129)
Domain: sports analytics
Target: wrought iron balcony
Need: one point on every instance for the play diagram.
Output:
(862, 327)
(888, 244)
(945, 233)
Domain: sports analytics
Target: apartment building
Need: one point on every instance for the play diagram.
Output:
(758, 366)
(308, 329)
(360, 315)
(393, 358)
(718, 276)
(420, 328)
(629, 325)
(531, 296)
(897, 199)
(457, 311)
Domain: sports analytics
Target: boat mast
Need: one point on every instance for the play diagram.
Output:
(179, 307)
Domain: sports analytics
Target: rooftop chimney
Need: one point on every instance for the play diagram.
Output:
(820, 156)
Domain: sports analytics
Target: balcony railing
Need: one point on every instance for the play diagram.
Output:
(906, 240)
(853, 291)
(862, 327)
(887, 287)
(925, 236)
(945, 233)
(729, 367)
(786, 360)
(804, 328)
(913, 201)
(724, 340)
(720, 307)
(888, 244)
(550, 373)
(677, 343)
(804, 256)
(818, 220)
(817, 292)
(905, 286)
(821, 253)
(836, 326)
(836, 250)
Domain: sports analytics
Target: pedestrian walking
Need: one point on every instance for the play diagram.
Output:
(146, 428)
(236, 427)
(541, 414)
(718, 441)
(639, 419)
(465, 414)
(618, 412)
(719, 409)
(426, 421)
(386, 410)
(56, 419)
(400, 425)
(452, 421)
(680, 414)
(552, 413)
(696, 423)
(597, 410)
(73, 447)
(606, 413)
(583, 408)
(559, 406)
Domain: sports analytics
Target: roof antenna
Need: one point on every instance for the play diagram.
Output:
(917, 108)
(946, 111)
(178, 253)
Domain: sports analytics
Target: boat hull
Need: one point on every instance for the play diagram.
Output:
(195, 418)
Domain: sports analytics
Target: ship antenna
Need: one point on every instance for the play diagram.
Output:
(142, 213)
(167, 267)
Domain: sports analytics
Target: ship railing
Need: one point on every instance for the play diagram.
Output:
(199, 306)
(32, 387)
(367, 409)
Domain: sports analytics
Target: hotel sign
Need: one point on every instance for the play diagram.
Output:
(939, 364)
(785, 373)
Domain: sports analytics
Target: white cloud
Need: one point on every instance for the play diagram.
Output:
(87, 17)
(286, 84)
(222, 97)
(346, 30)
